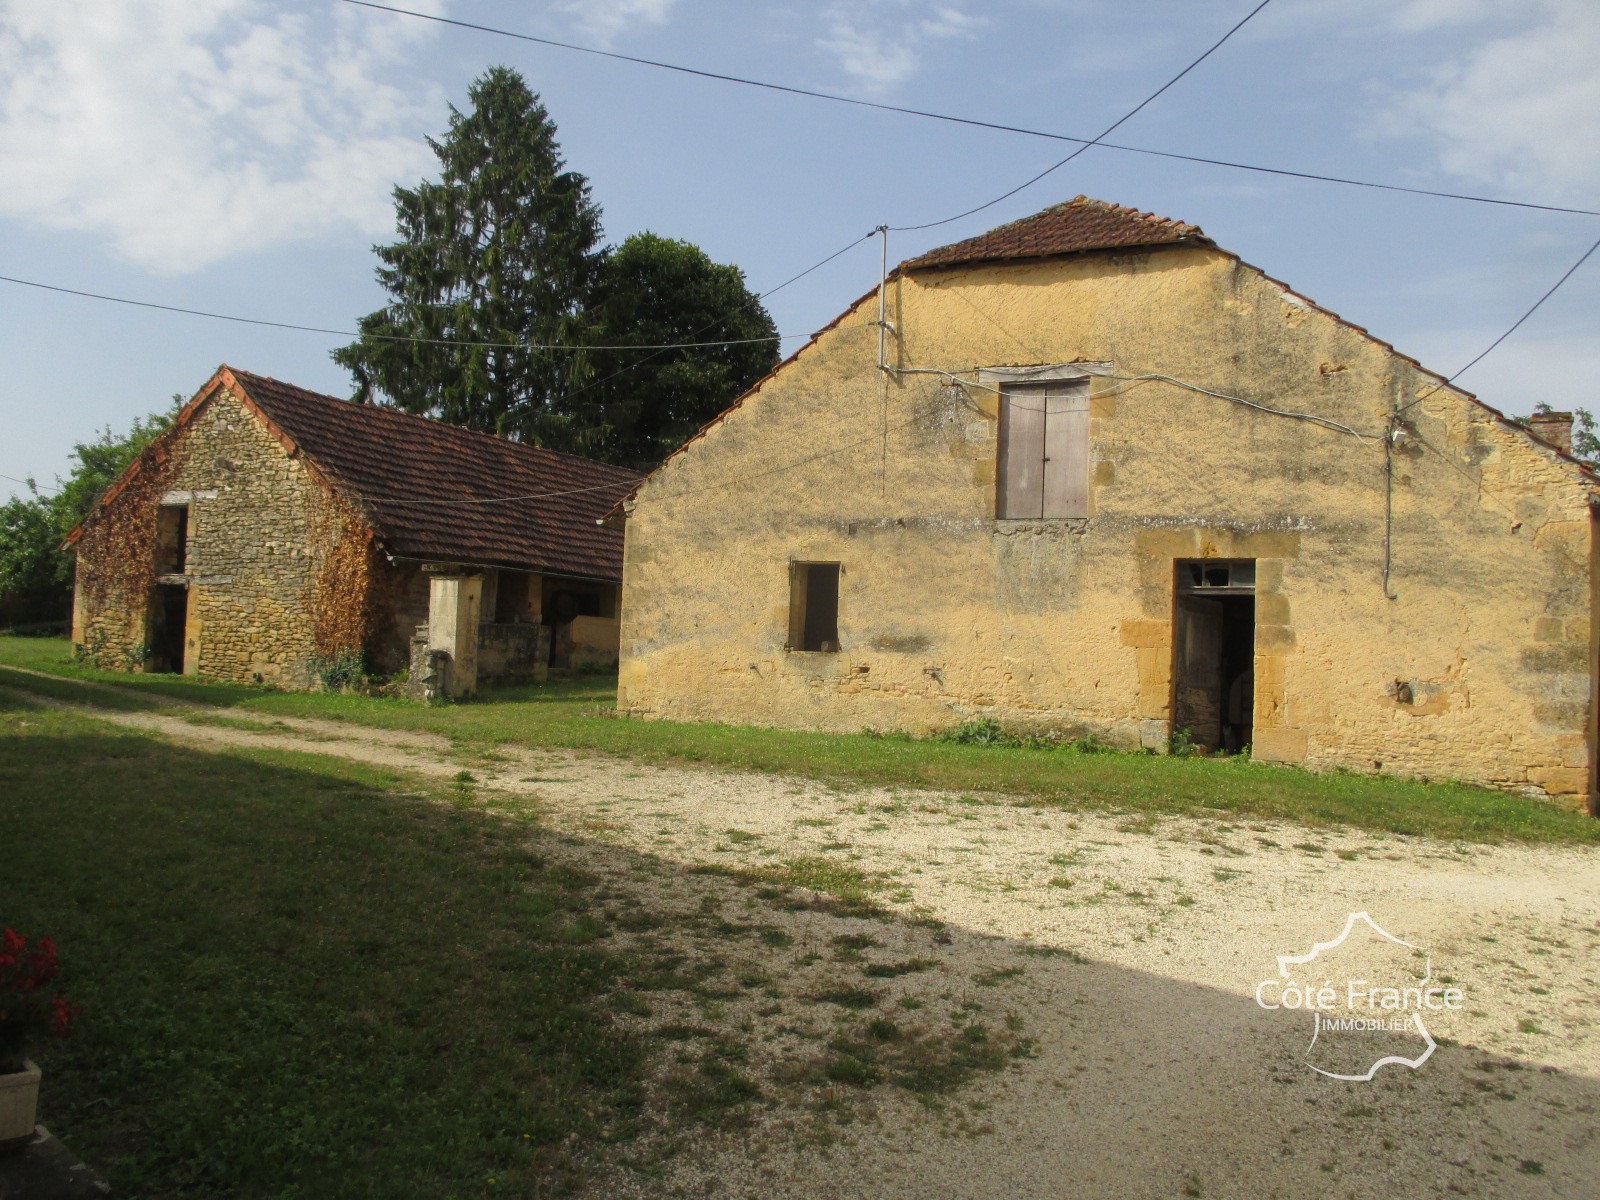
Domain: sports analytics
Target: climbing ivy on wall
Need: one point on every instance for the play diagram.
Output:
(348, 594)
(116, 563)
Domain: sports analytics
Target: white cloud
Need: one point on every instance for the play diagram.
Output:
(190, 133)
(1518, 109)
(879, 43)
(605, 20)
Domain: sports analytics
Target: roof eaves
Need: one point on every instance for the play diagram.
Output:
(914, 266)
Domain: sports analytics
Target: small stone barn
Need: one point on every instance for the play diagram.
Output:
(1090, 472)
(274, 535)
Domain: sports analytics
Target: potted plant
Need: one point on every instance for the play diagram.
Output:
(28, 1015)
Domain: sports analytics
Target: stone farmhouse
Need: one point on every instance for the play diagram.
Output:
(1090, 472)
(274, 535)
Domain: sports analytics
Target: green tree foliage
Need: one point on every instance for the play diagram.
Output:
(35, 577)
(29, 590)
(657, 291)
(1585, 441)
(503, 249)
(506, 248)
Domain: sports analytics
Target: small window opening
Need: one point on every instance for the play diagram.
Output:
(814, 607)
(172, 539)
(1209, 574)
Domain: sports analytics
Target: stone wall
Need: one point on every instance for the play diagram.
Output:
(588, 643)
(1474, 665)
(260, 533)
(518, 652)
(404, 587)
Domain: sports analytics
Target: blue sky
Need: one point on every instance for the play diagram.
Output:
(237, 156)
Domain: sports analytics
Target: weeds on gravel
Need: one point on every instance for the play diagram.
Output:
(923, 1061)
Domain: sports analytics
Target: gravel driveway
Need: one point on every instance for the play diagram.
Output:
(1128, 952)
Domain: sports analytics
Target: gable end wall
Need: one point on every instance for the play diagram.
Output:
(256, 552)
(947, 614)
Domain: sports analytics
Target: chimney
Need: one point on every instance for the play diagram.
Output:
(1553, 427)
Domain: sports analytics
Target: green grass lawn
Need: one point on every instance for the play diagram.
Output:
(302, 977)
(579, 715)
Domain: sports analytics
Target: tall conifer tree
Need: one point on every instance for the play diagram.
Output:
(502, 251)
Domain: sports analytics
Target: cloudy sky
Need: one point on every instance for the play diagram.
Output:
(237, 156)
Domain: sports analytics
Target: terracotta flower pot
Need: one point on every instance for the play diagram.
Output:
(19, 1104)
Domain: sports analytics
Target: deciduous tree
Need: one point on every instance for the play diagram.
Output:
(656, 291)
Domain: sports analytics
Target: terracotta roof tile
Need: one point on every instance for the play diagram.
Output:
(389, 461)
(1078, 225)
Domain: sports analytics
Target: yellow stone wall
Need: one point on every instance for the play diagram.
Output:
(945, 613)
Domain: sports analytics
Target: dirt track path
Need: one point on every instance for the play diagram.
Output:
(1132, 952)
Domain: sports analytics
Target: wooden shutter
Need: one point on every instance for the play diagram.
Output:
(1019, 479)
(1043, 468)
(1066, 450)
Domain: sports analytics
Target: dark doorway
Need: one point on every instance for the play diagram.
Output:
(169, 612)
(1213, 654)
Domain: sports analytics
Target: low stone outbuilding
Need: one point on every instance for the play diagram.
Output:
(274, 535)
(1090, 472)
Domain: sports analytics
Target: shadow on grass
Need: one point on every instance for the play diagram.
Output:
(307, 978)
(297, 978)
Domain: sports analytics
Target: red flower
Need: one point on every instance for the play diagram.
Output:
(62, 1011)
(28, 1012)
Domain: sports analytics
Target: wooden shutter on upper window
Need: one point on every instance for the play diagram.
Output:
(1019, 477)
(1066, 450)
(1043, 468)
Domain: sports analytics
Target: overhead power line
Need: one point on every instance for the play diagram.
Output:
(973, 122)
(639, 362)
(657, 348)
(28, 483)
(1515, 325)
(1554, 287)
(1106, 132)
(216, 316)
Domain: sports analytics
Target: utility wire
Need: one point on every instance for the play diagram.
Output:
(1106, 132)
(1516, 325)
(606, 379)
(949, 118)
(216, 316)
(871, 233)
(28, 483)
(639, 362)
(1536, 305)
